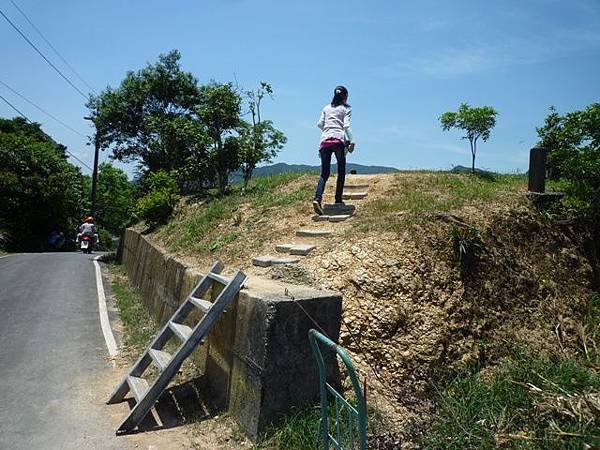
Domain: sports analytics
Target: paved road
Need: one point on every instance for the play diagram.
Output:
(51, 346)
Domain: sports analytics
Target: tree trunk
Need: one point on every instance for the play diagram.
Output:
(473, 150)
(223, 176)
(247, 174)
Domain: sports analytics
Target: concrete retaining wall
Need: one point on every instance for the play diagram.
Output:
(257, 362)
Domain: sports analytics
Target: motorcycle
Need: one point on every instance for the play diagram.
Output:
(86, 244)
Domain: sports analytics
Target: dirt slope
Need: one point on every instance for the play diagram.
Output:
(436, 271)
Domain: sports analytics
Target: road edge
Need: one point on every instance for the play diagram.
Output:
(109, 337)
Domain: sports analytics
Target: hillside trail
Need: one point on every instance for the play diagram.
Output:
(310, 236)
(300, 256)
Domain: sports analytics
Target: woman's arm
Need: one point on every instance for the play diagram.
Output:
(347, 129)
(321, 122)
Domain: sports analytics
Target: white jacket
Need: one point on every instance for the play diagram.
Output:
(335, 123)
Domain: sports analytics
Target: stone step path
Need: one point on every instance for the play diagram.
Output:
(333, 212)
(336, 218)
(349, 187)
(295, 249)
(335, 209)
(313, 233)
(266, 261)
(354, 195)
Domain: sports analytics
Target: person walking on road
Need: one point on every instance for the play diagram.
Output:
(336, 139)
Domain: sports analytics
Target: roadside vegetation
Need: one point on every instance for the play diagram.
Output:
(138, 326)
(225, 225)
(525, 402)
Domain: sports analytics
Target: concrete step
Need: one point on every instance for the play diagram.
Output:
(336, 209)
(295, 249)
(313, 233)
(356, 186)
(266, 261)
(336, 218)
(354, 195)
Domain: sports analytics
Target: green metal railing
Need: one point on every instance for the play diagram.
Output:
(348, 418)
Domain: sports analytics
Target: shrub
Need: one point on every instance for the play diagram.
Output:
(105, 238)
(573, 144)
(162, 195)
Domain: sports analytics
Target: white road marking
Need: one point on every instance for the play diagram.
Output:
(111, 344)
(10, 254)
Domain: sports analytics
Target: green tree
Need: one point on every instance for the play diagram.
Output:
(150, 117)
(260, 141)
(573, 145)
(40, 191)
(160, 198)
(116, 197)
(219, 111)
(476, 122)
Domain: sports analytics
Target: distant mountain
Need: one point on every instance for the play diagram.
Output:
(278, 168)
(479, 172)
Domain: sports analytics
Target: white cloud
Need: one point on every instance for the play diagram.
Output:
(449, 61)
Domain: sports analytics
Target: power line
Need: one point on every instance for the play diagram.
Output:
(15, 108)
(42, 110)
(52, 47)
(64, 77)
(27, 119)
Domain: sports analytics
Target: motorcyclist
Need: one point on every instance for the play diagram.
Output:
(87, 228)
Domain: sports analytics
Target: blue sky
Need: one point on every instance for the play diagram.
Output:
(404, 64)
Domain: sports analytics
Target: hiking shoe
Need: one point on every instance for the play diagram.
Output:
(317, 207)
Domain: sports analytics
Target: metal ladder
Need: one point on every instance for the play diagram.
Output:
(146, 394)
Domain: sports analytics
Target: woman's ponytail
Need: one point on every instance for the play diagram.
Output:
(340, 95)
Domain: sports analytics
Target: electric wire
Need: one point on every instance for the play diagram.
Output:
(63, 76)
(52, 47)
(27, 119)
(66, 125)
(15, 108)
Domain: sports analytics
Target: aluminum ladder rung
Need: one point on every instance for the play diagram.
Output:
(182, 331)
(138, 386)
(160, 358)
(219, 278)
(202, 305)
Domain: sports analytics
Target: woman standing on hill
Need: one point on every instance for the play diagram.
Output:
(336, 138)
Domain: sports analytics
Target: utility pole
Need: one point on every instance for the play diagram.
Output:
(95, 171)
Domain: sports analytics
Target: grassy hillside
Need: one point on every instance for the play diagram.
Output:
(476, 311)
(283, 168)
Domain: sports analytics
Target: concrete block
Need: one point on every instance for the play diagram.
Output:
(334, 209)
(356, 186)
(339, 218)
(333, 218)
(354, 195)
(273, 367)
(266, 261)
(295, 249)
(313, 233)
(302, 249)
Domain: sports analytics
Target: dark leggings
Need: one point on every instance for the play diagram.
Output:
(340, 156)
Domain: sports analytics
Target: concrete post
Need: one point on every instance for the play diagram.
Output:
(537, 170)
